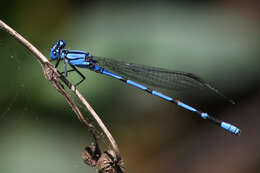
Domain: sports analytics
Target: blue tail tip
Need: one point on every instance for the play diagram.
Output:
(237, 132)
(231, 128)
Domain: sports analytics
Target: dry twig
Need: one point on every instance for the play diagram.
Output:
(54, 76)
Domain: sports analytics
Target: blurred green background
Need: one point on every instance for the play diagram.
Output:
(217, 40)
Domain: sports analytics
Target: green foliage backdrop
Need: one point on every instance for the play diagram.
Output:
(40, 133)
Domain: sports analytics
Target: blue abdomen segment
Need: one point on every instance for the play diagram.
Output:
(181, 104)
(130, 82)
(229, 127)
(162, 96)
(111, 74)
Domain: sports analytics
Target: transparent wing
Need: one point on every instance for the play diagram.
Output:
(158, 77)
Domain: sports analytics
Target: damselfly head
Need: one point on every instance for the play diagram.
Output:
(56, 49)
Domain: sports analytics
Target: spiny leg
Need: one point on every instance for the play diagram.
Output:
(82, 76)
(65, 72)
(65, 68)
(57, 63)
